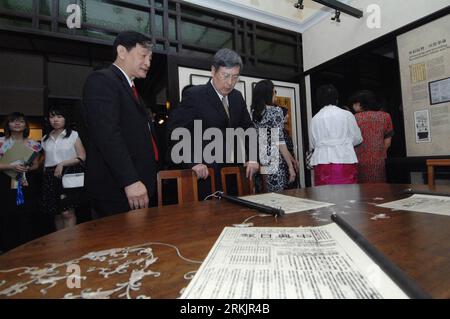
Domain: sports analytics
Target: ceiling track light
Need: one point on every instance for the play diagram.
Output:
(299, 5)
(336, 18)
(337, 6)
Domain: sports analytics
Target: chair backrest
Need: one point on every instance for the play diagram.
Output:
(187, 187)
(245, 186)
(431, 163)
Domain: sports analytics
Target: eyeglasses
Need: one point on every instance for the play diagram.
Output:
(227, 76)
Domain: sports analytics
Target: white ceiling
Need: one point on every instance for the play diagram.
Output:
(278, 13)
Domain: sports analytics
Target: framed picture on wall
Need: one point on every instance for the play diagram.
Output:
(197, 79)
(439, 91)
(283, 99)
(240, 86)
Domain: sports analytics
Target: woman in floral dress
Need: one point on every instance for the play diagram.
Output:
(269, 119)
(377, 131)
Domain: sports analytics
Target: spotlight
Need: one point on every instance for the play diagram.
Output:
(299, 4)
(341, 7)
(336, 18)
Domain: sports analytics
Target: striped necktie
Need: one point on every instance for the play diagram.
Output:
(225, 106)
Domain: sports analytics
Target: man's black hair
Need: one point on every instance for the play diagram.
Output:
(129, 39)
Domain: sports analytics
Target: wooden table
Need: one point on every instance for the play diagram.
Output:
(418, 243)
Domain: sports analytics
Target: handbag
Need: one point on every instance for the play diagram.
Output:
(74, 180)
(73, 176)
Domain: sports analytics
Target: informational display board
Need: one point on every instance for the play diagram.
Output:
(424, 55)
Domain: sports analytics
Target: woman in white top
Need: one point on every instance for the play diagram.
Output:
(63, 148)
(334, 133)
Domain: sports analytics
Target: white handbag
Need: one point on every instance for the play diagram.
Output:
(73, 180)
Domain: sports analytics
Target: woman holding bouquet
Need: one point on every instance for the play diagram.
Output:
(18, 188)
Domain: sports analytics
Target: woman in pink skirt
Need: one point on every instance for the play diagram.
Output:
(334, 133)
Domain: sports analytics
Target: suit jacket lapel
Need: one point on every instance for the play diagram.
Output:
(215, 100)
(127, 88)
(231, 108)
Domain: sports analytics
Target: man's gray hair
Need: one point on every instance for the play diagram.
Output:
(227, 58)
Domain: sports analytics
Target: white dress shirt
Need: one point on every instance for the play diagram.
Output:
(334, 133)
(130, 81)
(59, 149)
(221, 97)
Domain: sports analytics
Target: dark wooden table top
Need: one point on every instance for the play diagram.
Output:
(418, 243)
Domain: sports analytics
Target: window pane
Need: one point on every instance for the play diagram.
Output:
(158, 25)
(17, 5)
(159, 47)
(45, 7)
(239, 44)
(208, 18)
(63, 7)
(172, 29)
(172, 6)
(159, 4)
(144, 3)
(269, 69)
(45, 26)
(249, 41)
(274, 51)
(173, 48)
(205, 37)
(110, 16)
(15, 22)
(198, 54)
(88, 33)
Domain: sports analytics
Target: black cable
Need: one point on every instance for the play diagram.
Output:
(249, 204)
(395, 273)
(425, 192)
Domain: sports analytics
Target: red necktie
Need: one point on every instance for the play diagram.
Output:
(135, 92)
(155, 148)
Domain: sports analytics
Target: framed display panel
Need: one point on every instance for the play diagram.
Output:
(424, 55)
(439, 91)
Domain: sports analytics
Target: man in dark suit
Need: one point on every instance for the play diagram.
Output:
(217, 105)
(122, 154)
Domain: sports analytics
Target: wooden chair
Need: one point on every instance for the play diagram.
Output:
(187, 187)
(245, 186)
(431, 163)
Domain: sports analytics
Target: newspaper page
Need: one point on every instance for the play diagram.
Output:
(289, 204)
(431, 204)
(289, 263)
